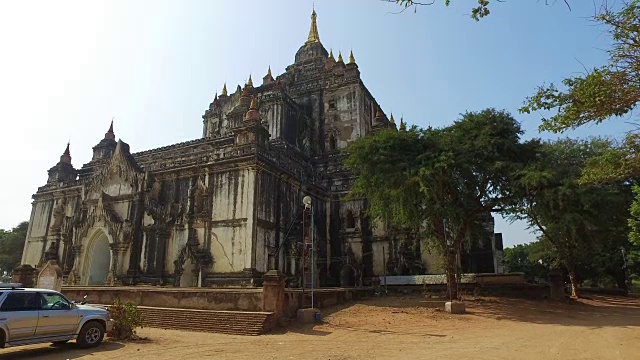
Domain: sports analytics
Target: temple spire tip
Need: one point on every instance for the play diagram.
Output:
(313, 30)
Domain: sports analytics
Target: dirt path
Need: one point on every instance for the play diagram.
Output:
(404, 328)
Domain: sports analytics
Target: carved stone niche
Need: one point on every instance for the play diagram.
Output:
(50, 276)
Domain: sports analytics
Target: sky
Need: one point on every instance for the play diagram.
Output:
(68, 67)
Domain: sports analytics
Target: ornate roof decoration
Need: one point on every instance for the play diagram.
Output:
(313, 30)
(352, 60)
(110, 134)
(224, 90)
(253, 113)
(66, 156)
(122, 164)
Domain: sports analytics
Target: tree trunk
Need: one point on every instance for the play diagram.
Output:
(575, 293)
(621, 280)
(452, 280)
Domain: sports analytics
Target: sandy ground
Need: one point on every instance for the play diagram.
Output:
(410, 327)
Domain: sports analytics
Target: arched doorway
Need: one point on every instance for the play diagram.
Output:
(99, 256)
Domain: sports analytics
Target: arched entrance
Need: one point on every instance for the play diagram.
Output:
(99, 256)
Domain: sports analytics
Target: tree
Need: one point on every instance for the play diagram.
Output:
(577, 219)
(440, 183)
(534, 259)
(477, 12)
(612, 90)
(11, 246)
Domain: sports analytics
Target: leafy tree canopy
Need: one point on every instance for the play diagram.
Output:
(440, 183)
(612, 90)
(577, 219)
(11, 246)
(477, 12)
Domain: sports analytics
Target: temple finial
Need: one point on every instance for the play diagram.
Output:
(331, 54)
(313, 31)
(253, 113)
(245, 92)
(402, 127)
(254, 103)
(352, 60)
(224, 89)
(250, 82)
(269, 71)
(110, 134)
(391, 120)
(340, 56)
(66, 156)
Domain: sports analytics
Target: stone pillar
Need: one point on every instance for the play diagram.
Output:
(24, 274)
(556, 283)
(273, 293)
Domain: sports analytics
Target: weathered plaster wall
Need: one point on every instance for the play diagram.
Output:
(232, 219)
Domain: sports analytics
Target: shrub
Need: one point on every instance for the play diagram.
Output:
(126, 319)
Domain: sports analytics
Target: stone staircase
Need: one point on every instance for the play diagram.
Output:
(224, 322)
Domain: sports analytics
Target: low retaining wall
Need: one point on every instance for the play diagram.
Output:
(182, 298)
(212, 299)
(441, 279)
(323, 298)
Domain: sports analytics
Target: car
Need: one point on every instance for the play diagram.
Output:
(31, 316)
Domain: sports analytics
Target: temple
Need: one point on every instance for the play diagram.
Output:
(223, 209)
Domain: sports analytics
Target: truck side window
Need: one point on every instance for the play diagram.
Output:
(20, 301)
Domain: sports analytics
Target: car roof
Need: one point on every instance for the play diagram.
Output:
(28, 289)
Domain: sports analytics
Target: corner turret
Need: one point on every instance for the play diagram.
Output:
(106, 146)
(63, 171)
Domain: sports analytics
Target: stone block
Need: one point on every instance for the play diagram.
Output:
(454, 307)
(308, 316)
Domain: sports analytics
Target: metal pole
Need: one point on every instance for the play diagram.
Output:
(304, 247)
(313, 256)
(384, 265)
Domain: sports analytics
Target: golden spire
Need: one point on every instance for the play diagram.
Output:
(224, 89)
(402, 125)
(340, 56)
(331, 54)
(250, 82)
(313, 31)
(352, 60)
(391, 120)
(269, 71)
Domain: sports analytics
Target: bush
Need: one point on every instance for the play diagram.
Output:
(126, 319)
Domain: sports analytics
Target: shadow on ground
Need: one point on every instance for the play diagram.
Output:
(65, 351)
(594, 311)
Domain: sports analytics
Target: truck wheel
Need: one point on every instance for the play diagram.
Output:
(91, 334)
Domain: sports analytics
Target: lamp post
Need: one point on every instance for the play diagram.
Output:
(308, 205)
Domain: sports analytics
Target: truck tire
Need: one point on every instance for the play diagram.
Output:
(91, 334)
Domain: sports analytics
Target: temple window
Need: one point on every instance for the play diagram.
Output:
(332, 143)
(350, 220)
